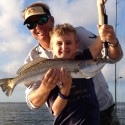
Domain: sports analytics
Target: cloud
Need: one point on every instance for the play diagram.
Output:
(11, 38)
(77, 12)
(80, 12)
(18, 95)
(109, 70)
(14, 41)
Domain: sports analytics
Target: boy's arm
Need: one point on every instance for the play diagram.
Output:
(63, 95)
(59, 104)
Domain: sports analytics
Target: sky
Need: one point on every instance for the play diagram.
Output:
(16, 41)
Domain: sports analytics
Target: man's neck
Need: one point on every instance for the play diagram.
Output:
(45, 45)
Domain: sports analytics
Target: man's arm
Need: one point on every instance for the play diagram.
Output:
(115, 50)
(106, 33)
(38, 96)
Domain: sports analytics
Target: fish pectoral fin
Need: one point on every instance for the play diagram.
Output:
(76, 74)
(85, 74)
(7, 86)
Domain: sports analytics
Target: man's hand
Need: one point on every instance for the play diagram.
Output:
(51, 79)
(101, 2)
(107, 33)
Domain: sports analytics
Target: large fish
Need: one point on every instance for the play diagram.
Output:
(35, 70)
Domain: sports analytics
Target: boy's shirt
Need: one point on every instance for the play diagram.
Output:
(82, 106)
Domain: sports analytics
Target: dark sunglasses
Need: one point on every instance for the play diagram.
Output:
(42, 20)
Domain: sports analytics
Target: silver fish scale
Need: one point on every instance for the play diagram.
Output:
(30, 64)
(49, 63)
(41, 69)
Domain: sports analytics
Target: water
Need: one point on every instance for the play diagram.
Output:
(20, 114)
(121, 112)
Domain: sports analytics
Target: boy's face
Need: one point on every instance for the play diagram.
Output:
(64, 46)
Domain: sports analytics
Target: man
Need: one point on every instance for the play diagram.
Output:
(39, 21)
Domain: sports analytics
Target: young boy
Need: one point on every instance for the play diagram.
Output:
(75, 103)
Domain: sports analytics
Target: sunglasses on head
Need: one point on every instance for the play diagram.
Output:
(42, 20)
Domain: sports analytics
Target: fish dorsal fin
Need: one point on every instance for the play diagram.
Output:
(30, 64)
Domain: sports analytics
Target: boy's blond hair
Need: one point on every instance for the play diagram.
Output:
(62, 29)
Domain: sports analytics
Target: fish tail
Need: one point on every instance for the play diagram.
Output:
(7, 85)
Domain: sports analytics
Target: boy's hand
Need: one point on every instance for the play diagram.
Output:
(51, 79)
(65, 78)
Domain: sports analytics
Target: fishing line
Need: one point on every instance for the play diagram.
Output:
(120, 98)
(123, 25)
(115, 63)
(119, 78)
(123, 31)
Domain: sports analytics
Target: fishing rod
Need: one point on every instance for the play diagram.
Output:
(103, 19)
(105, 43)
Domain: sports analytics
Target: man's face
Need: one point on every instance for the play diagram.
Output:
(64, 46)
(41, 32)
